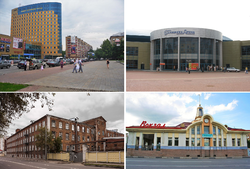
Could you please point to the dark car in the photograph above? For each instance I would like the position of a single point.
(4, 64)
(53, 63)
(21, 64)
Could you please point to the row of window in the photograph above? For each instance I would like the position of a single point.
(32, 21)
(206, 130)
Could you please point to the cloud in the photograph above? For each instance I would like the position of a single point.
(213, 109)
(207, 96)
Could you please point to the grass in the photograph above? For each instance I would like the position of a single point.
(9, 87)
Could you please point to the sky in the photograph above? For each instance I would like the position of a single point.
(93, 21)
(69, 105)
(229, 17)
(172, 109)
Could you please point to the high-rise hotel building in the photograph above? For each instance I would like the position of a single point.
(41, 22)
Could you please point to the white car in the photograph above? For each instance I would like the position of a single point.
(233, 69)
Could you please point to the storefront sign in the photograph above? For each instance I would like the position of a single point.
(151, 125)
(185, 32)
(193, 66)
(162, 63)
(5, 40)
(207, 135)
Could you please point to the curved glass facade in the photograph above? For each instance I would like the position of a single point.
(170, 53)
(206, 53)
(157, 54)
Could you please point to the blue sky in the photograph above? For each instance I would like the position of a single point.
(174, 108)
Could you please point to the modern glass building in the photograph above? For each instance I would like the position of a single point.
(41, 22)
(176, 48)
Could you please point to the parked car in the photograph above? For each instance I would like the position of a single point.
(33, 64)
(53, 63)
(233, 69)
(21, 64)
(4, 64)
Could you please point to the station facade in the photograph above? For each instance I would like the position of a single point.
(178, 48)
(203, 137)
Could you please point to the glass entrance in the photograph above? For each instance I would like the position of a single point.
(206, 142)
(183, 66)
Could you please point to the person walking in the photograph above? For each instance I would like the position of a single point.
(25, 65)
(246, 70)
(107, 63)
(74, 66)
(61, 63)
(80, 65)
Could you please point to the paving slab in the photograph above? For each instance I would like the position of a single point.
(95, 77)
(183, 81)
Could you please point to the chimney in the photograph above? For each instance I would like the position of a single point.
(17, 130)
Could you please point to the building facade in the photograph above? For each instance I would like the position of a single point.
(117, 38)
(41, 22)
(76, 48)
(15, 48)
(179, 48)
(73, 134)
(203, 137)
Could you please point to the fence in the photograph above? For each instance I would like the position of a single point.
(107, 157)
(58, 156)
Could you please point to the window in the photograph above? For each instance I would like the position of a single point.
(83, 138)
(67, 136)
(225, 142)
(73, 127)
(169, 141)
(60, 125)
(187, 141)
(238, 142)
(192, 131)
(214, 141)
(219, 142)
(192, 142)
(53, 134)
(67, 126)
(73, 137)
(206, 129)
(176, 142)
(53, 123)
(88, 138)
(87, 130)
(103, 133)
(198, 142)
(233, 142)
(83, 129)
(60, 135)
(214, 130)
(78, 128)
(198, 130)
(43, 123)
(79, 138)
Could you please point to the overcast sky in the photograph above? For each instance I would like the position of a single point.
(93, 21)
(70, 105)
(174, 108)
(229, 17)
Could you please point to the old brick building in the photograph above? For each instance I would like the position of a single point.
(203, 137)
(73, 133)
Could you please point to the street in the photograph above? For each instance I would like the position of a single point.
(149, 163)
(95, 77)
(14, 163)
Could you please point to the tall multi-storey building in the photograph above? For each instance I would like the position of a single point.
(76, 48)
(91, 132)
(117, 38)
(41, 22)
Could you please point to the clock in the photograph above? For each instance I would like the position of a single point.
(206, 120)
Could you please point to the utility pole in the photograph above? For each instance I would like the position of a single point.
(45, 143)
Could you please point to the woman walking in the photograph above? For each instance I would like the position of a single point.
(75, 63)
(107, 63)
(61, 63)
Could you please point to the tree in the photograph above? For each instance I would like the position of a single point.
(63, 53)
(52, 145)
(44, 139)
(248, 143)
(99, 53)
(13, 105)
(106, 48)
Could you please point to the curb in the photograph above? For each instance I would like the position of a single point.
(236, 157)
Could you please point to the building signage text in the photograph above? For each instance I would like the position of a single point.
(166, 32)
(5, 40)
(151, 125)
(31, 9)
(207, 135)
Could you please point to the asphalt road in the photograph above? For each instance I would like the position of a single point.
(14, 163)
(149, 163)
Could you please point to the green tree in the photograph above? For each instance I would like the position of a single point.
(63, 53)
(248, 143)
(106, 48)
(99, 53)
(57, 145)
(118, 51)
(44, 139)
(13, 105)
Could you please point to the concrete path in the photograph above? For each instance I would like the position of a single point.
(95, 77)
(182, 81)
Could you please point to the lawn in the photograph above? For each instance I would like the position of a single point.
(9, 87)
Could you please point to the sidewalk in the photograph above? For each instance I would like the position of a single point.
(95, 77)
(235, 157)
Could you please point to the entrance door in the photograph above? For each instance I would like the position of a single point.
(183, 66)
(206, 147)
(142, 66)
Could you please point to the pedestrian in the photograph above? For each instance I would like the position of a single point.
(28, 65)
(186, 69)
(41, 67)
(107, 63)
(246, 70)
(74, 69)
(61, 63)
(25, 65)
(80, 65)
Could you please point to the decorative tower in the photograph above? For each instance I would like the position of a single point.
(199, 112)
